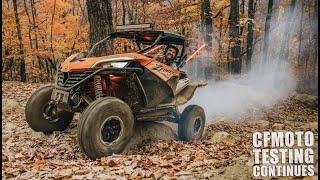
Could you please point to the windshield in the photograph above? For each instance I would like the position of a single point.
(122, 45)
(155, 51)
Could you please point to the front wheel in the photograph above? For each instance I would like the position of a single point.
(105, 127)
(43, 115)
(191, 124)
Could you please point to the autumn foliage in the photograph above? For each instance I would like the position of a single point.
(235, 31)
(51, 31)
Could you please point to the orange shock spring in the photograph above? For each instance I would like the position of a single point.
(98, 87)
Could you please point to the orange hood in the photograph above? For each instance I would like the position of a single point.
(87, 64)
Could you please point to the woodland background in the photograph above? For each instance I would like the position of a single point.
(38, 34)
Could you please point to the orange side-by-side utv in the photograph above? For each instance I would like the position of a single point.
(113, 92)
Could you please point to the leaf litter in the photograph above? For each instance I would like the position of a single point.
(224, 152)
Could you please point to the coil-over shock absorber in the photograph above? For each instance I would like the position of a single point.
(98, 87)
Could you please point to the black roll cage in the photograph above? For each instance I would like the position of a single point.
(162, 35)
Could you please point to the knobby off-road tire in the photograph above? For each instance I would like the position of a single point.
(97, 123)
(34, 112)
(191, 124)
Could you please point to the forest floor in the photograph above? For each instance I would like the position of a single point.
(224, 153)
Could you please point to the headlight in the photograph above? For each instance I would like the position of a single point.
(114, 64)
(118, 64)
(111, 64)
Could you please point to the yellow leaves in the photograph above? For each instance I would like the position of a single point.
(294, 39)
(63, 4)
(221, 4)
(40, 163)
(60, 29)
(64, 30)
(71, 19)
(244, 21)
(45, 6)
(281, 9)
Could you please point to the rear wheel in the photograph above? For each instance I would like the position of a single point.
(105, 127)
(42, 114)
(191, 124)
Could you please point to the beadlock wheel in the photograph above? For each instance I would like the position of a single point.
(105, 127)
(192, 123)
(111, 130)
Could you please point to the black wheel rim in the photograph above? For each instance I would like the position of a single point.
(111, 130)
(197, 126)
(50, 112)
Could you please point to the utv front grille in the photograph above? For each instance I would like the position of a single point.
(67, 80)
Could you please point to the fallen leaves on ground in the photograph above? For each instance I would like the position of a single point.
(28, 154)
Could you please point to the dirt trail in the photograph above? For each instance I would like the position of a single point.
(152, 153)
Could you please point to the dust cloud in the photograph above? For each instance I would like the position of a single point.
(265, 85)
(233, 97)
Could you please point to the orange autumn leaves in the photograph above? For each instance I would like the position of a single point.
(36, 29)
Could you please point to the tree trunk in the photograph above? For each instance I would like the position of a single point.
(123, 13)
(8, 5)
(73, 6)
(29, 31)
(220, 49)
(242, 14)
(47, 69)
(284, 51)
(300, 55)
(74, 42)
(267, 31)
(234, 37)
(84, 15)
(35, 30)
(51, 29)
(116, 13)
(251, 11)
(29, 20)
(22, 64)
(130, 12)
(11, 65)
(144, 10)
(314, 31)
(207, 23)
(300, 33)
(100, 20)
(136, 19)
(306, 74)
